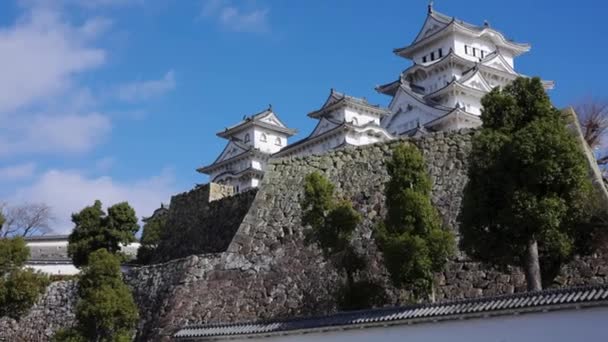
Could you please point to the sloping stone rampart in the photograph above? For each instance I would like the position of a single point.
(202, 220)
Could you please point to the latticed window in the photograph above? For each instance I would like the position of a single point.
(247, 138)
(263, 138)
(277, 141)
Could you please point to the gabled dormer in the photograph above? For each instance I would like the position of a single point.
(441, 32)
(342, 108)
(263, 131)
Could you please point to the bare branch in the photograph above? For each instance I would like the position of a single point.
(26, 220)
(593, 117)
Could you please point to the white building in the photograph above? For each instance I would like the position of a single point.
(49, 254)
(454, 65)
(251, 142)
(343, 121)
(575, 314)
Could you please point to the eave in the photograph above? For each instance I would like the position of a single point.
(228, 132)
(210, 168)
(456, 112)
(452, 86)
(453, 27)
(347, 102)
(249, 170)
(344, 127)
(389, 89)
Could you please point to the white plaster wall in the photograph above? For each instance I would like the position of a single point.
(479, 43)
(361, 139)
(270, 145)
(319, 146)
(587, 325)
(47, 244)
(361, 117)
(62, 269)
(445, 43)
(258, 165)
(241, 135)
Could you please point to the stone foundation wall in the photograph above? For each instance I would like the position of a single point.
(53, 311)
(202, 220)
(268, 271)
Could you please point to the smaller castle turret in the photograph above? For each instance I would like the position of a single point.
(251, 142)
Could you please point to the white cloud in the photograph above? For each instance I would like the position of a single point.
(68, 191)
(17, 172)
(69, 133)
(104, 164)
(41, 54)
(237, 18)
(145, 90)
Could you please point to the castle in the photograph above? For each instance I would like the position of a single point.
(244, 257)
(454, 64)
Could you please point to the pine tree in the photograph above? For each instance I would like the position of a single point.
(94, 230)
(106, 311)
(527, 183)
(411, 238)
(333, 222)
(150, 238)
(19, 287)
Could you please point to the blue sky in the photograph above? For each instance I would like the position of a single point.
(120, 100)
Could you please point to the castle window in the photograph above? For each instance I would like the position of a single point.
(355, 122)
(475, 52)
(466, 49)
(247, 138)
(277, 141)
(263, 138)
(424, 59)
(432, 56)
(483, 54)
(440, 52)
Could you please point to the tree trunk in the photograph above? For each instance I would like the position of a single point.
(532, 267)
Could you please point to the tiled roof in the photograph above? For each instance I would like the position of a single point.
(256, 119)
(336, 98)
(548, 300)
(47, 238)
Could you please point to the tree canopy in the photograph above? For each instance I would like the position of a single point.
(527, 183)
(333, 222)
(150, 238)
(19, 287)
(411, 238)
(94, 230)
(106, 310)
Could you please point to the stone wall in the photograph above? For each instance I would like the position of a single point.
(53, 311)
(268, 271)
(202, 220)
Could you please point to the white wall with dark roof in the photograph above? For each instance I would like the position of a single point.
(559, 326)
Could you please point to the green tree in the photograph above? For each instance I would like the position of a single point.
(94, 230)
(333, 223)
(19, 288)
(150, 238)
(527, 186)
(412, 240)
(106, 310)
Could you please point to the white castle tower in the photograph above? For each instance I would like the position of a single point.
(454, 65)
(251, 142)
(343, 120)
